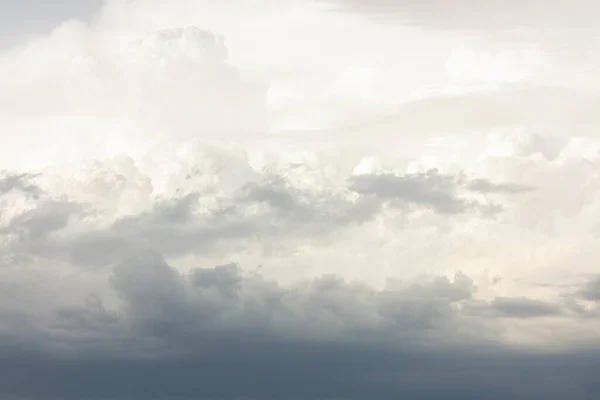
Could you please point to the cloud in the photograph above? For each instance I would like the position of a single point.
(153, 308)
(431, 189)
(485, 110)
(523, 308)
(591, 290)
(484, 186)
(156, 242)
(38, 222)
(440, 192)
(474, 15)
(221, 332)
(162, 303)
(265, 207)
(171, 84)
(309, 371)
(18, 182)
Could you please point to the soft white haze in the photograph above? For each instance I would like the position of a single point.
(392, 175)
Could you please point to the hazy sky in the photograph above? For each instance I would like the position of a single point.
(23, 19)
(299, 199)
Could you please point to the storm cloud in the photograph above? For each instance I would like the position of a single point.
(300, 200)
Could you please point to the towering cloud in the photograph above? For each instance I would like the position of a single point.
(171, 229)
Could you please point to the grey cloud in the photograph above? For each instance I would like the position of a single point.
(485, 186)
(183, 225)
(440, 192)
(153, 294)
(262, 209)
(48, 216)
(264, 369)
(521, 307)
(30, 232)
(175, 211)
(91, 326)
(20, 183)
(171, 227)
(165, 314)
(429, 189)
(272, 208)
(224, 298)
(591, 290)
(223, 315)
(422, 308)
(324, 207)
(225, 277)
(223, 333)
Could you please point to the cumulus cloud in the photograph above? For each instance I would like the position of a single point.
(18, 182)
(159, 239)
(171, 84)
(189, 278)
(266, 207)
(163, 303)
(591, 290)
(225, 324)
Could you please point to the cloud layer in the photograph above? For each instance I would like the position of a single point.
(472, 14)
(170, 227)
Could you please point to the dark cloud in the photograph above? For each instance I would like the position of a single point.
(261, 369)
(216, 333)
(591, 290)
(225, 333)
(164, 312)
(160, 302)
(520, 307)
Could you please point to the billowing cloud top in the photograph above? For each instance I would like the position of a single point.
(261, 200)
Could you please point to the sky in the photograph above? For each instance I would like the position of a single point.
(299, 199)
(25, 19)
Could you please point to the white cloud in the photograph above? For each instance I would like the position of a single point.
(93, 98)
(146, 211)
(480, 17)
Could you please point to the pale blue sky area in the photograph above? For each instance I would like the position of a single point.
(20, 19)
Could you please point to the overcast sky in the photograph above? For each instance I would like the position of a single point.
(299, 199)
